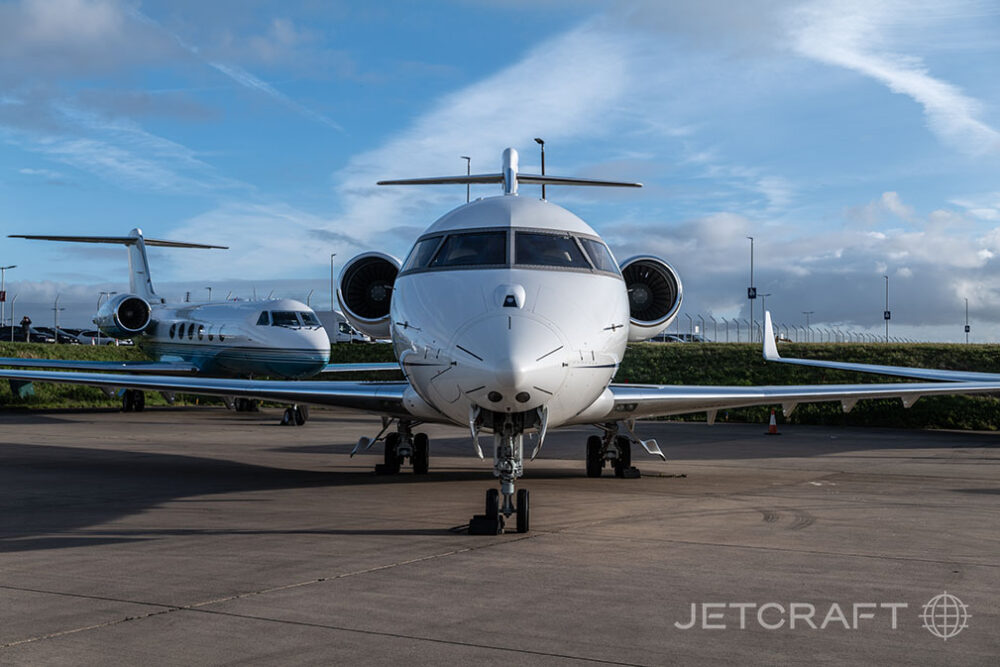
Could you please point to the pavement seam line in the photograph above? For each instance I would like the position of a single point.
(199, 606)
(397, 635)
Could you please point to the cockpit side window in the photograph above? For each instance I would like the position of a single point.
(263, 320)
(309, 318)
(472, 249)
(284, 318)
(600, 256)
(536, 249)
(421, 253)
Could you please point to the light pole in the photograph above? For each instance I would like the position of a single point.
(886, 314)
(12, 302)
(763, 305)
(468, 172)
(333, 293)
(807, 313)
(3, 291)
(55, 317)
(542, 144)
(751, 291)
(966, 321)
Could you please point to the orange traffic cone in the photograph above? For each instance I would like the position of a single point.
(772, 427)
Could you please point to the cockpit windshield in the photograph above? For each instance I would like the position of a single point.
(510, 247)
(309, 318)
(472, 249)
(421, 254)
(600, 256)
(284, 318)
(536, 249)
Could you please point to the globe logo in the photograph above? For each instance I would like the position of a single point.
(945, 616)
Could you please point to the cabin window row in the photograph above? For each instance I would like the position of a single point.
(530, 248)
(182, 330)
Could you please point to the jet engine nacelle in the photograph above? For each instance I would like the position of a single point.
(365, 292)
(654, 295)
(125, 316)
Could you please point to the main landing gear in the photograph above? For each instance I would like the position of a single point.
(245, 405)
(295, 415)
(508, 455)
(613, 449)
(405, 444)
(133, 400)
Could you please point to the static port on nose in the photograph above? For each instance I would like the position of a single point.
(494, 396)
(522, 397)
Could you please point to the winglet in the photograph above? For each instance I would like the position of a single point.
(770, 347)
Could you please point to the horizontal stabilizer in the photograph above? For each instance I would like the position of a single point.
(524, 179)
(124, 240)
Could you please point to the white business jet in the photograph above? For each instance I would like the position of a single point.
(510, 317)
(279, 337)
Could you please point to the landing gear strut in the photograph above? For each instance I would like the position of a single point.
(508, 455)
(405, 444)
(611, 448)
(133, 400)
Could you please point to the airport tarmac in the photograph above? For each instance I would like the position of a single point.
(201, 536)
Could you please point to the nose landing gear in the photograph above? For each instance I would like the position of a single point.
(508, 454)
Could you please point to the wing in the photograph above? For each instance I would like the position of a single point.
(771, 354)
(384, 398)
(634, 401)
(362, 368)
(162, 367)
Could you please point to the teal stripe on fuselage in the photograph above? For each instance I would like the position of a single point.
(224, 360)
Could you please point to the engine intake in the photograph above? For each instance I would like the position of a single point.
(654, 295)
(365, 292)
(124, 316)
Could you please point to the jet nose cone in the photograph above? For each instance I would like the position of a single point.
(511, 362)
(510, 374)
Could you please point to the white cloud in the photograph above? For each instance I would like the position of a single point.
(892, 203)
(853, 34)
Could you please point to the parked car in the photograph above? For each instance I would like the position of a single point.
(62, 335)
(95, 337)
(664, 337)
(16, 335)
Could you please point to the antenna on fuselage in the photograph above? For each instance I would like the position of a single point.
(510, 177)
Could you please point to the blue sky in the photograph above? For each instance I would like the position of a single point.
(852, 139)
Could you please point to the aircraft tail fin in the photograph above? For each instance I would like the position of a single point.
(140, 282)
(510, 177)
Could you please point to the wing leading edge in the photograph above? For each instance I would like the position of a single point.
(771, 354)
(384, 398)
(164, 367)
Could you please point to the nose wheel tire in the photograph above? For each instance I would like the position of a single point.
(492, 503)
(595, 456)
(421, 454)
(523, 523)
